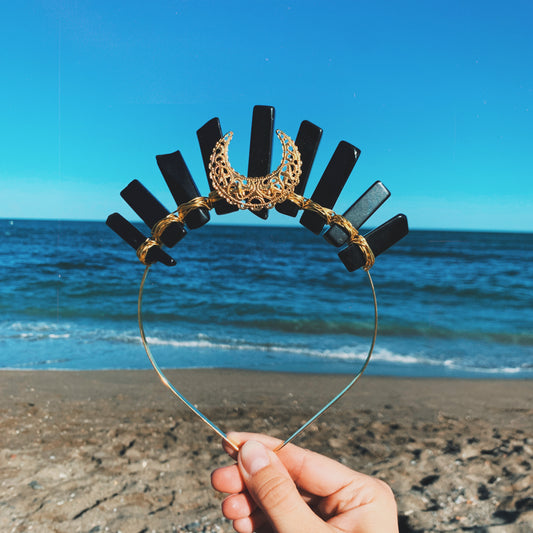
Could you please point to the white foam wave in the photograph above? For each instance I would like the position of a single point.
(44, 331)
(40, 327)
(382, 354)
(342, 353)
(41, 331)
(455, 365)
(34, 336)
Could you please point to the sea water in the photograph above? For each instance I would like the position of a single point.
(451, 304)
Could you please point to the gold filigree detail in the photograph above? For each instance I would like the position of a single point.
(255, 193)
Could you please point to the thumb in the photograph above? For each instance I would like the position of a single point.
(272, 488)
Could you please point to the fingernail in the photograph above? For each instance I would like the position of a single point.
(254, 457)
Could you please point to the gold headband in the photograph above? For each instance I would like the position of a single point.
(253, 193)
(256, 193)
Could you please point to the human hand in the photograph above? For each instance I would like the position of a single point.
(297, 490)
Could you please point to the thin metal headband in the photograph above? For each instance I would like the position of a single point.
(279, 189)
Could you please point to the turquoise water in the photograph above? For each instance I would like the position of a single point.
(452, 304)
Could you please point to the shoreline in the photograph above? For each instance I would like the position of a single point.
(463, 396)
(86, 450)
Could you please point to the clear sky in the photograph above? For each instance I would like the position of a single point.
(437, 95)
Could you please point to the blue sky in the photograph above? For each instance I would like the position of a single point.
(437, 95)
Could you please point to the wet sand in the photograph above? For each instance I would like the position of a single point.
(114, 451)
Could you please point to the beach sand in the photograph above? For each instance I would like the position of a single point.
(114, 451)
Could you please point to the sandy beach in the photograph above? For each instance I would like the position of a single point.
(114, 451)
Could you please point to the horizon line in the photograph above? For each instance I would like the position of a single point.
(273, 225)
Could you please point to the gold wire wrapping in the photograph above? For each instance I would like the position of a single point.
(328, 215)
(183, 210)
(162, 225)
(333, 219)
(144, 248)
(255, 193)
(206, 202)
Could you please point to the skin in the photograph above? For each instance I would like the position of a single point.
(296, 489)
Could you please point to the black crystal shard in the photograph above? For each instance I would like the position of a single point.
(379, 240)
(359, 212)
(208, 136)
(307, 141)
(151, 211)
(126, 230)
(260, 156)
(131, 235)
(182, 186)
(331, 183)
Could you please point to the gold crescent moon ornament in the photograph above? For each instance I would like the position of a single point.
(255, 193)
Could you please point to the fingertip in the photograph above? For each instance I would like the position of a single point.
(219, 479)
(227, 479)
(238, 506)
(243, 525)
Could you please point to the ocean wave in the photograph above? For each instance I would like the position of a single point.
(407, 354)
(42, 363)
(457, 365)
(125, 330)
(31, 326)
(342, 353)
(345, 354)
(35, 331)
(42, 331)
(41, 336)
(484, 323)
(387, 328)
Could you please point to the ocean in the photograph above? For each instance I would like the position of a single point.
(451, 304)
